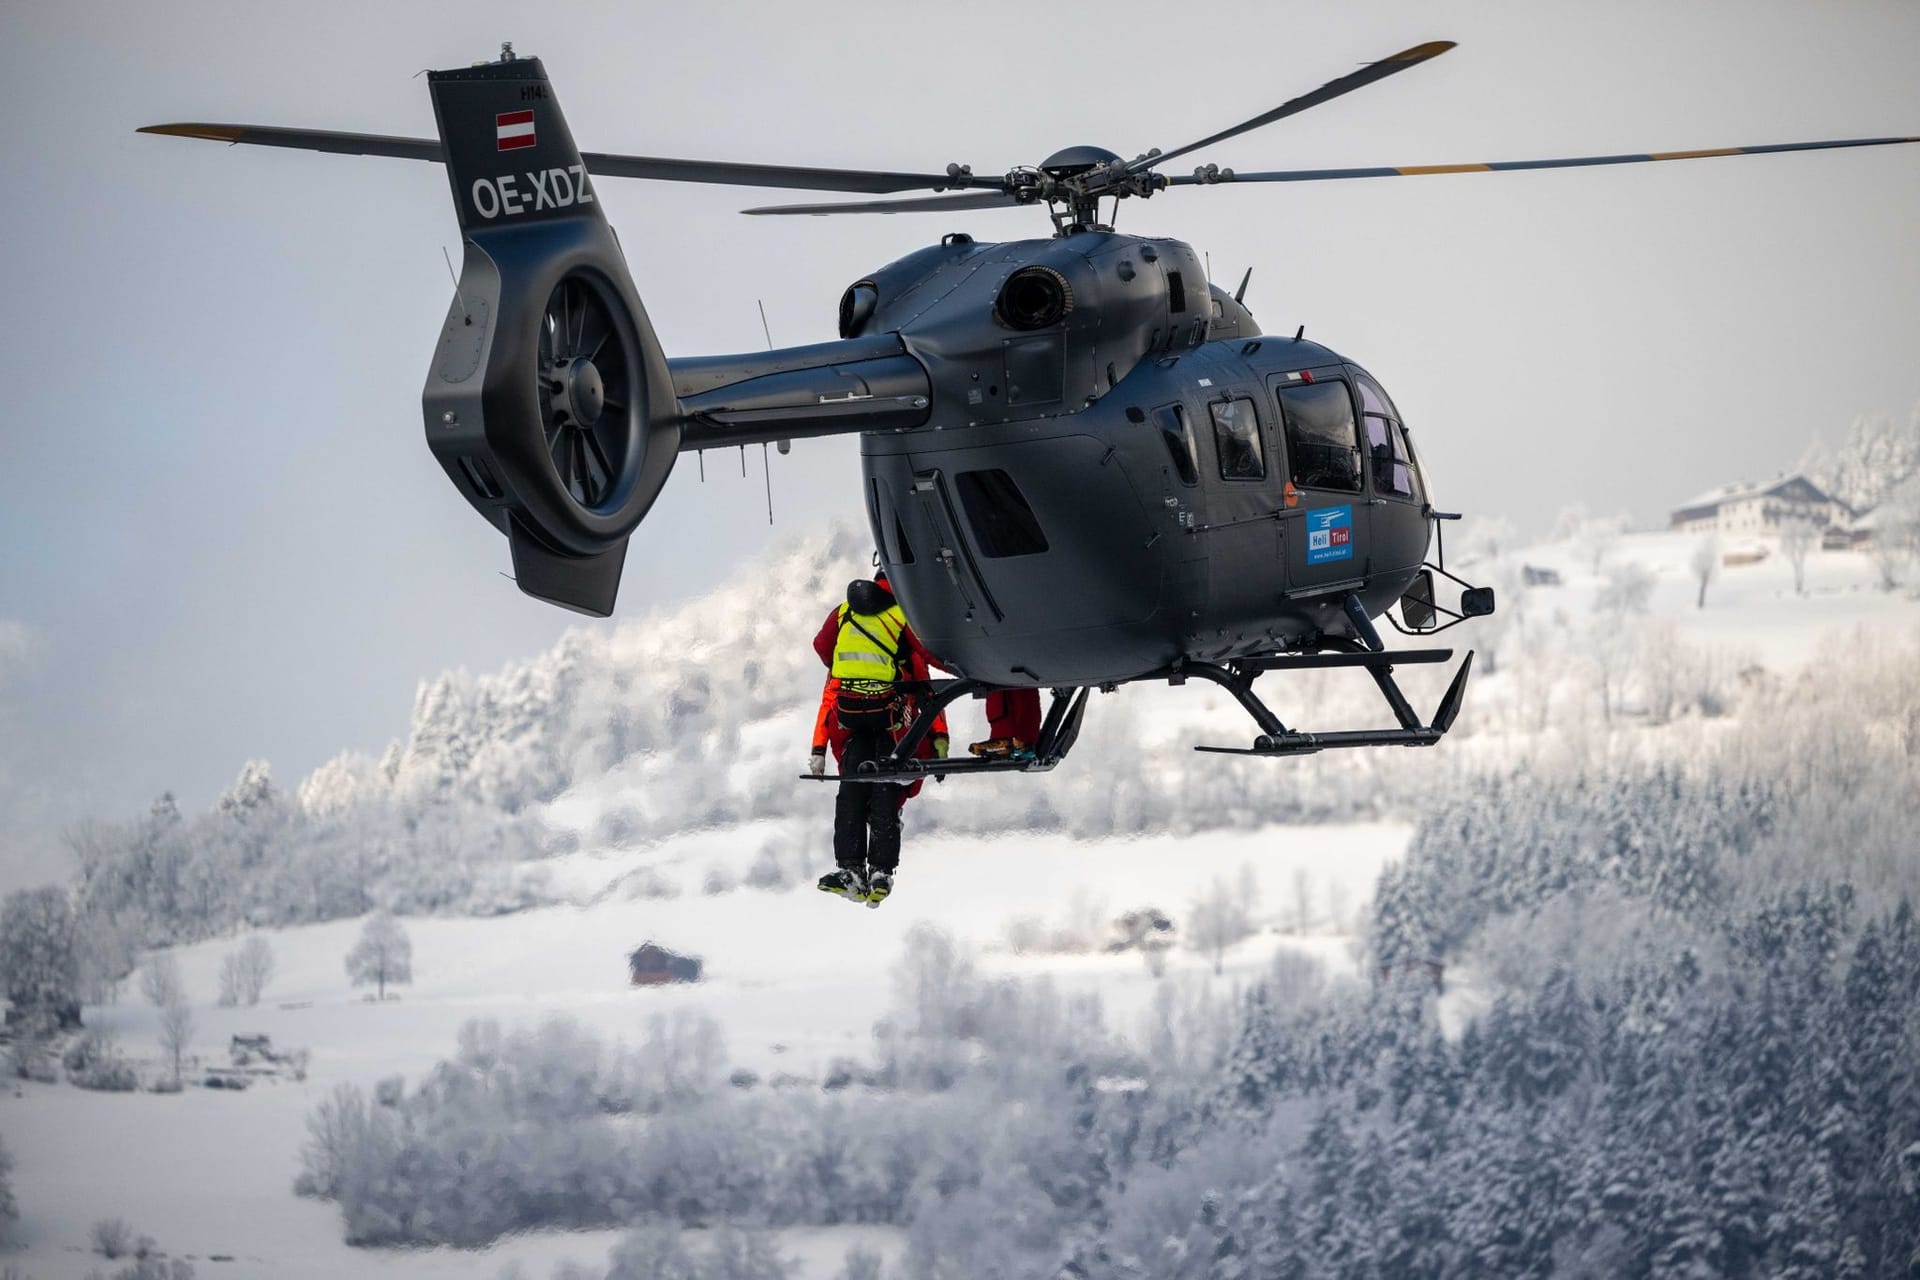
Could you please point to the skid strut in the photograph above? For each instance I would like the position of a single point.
(1277, 740)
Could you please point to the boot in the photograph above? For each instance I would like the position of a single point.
(1002, 749)
(846, 882)
(879, 885)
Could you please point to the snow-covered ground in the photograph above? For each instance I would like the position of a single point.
(1751, 608)
(795, 977)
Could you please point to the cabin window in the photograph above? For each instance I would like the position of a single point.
(888, 523)
(1178, 434)
(1236, 435)
(1321, 439)
(1393, 471)
(1003, 522)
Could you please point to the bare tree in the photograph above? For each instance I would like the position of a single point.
(176, 1033)
(1337, 905)
(245, 973)
(9, 1208)
(1610, 650)
(1797, 537)
(1153, 953)
(109, 948)
(1628, 589)
(1300, 901)
(1896, 536)
(1705, 565)
(382, 955)
(112, 1238)
(160, 981)
(1597, 537)
(1216, 920)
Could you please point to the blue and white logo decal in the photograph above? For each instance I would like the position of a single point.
(1329, 534)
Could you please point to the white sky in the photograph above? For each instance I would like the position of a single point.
(224, 537)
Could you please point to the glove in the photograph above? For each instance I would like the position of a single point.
(940, 748)
(817, 764)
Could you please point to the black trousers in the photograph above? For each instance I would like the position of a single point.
(866, 815)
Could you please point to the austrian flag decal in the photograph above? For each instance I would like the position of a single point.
(514, 129)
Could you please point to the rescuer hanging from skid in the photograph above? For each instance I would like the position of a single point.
(873, 659)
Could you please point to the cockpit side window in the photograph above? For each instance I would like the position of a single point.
(1393, 467)
(1236, 437)
(1177, 432)
(1321, 436)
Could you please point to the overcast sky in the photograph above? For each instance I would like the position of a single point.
(224, 537)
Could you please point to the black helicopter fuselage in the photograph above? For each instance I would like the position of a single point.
(1085, 463)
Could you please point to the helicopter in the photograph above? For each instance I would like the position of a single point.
(1085, 464)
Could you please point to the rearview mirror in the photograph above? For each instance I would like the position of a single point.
(1476, 602)
(1416, 605)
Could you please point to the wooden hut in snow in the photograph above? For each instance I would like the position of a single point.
(652, 965)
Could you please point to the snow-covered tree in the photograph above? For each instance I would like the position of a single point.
(1798, 536)
(160, 981)
(1217, 919)
(176, 1033)
(245, 972)
(9, 1208)
(252, 793)
(1876, 457)
(109, 948)
(383, 954)
(1627, 590)
(1705, 565)
(38, 959)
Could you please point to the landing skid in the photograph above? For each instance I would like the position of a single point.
(1058, 732)
(1276, 739)
(1062, 726)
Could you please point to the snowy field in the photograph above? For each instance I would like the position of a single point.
(1751, 608)
(795, 977)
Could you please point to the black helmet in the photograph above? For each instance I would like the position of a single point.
(867, 598)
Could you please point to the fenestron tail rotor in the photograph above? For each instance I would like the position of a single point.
(585, 381)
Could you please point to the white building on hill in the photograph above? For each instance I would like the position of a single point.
(1750, 509)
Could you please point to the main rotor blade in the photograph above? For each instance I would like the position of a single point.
(971, 200)
(657, 168)
(1501, 166)
(1366, 75)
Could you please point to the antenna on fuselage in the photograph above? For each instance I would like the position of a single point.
(766, 466)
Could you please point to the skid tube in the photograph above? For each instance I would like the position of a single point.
(1064, 717)
(1276, 739)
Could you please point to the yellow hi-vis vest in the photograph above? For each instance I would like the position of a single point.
(867, 649)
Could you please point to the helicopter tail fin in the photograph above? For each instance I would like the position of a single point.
(549, 402)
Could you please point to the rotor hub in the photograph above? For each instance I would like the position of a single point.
(1075, 161)
(583, 393)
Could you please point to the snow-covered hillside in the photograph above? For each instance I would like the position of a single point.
(638, 783)
(796, 980)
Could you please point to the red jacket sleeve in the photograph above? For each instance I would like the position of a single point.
(922, 656)
(829, 632)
